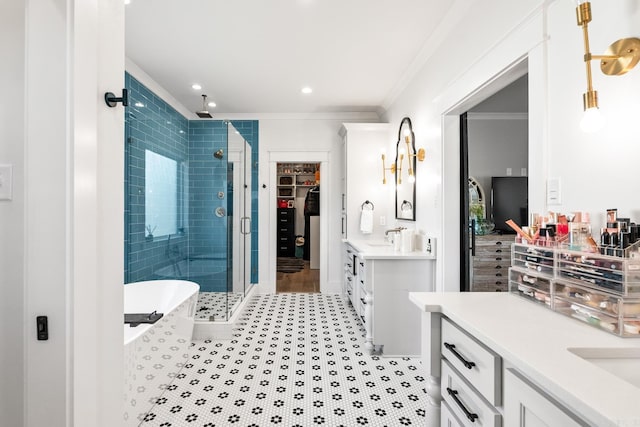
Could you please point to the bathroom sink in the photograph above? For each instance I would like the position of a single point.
(624, 363)
(378, 243)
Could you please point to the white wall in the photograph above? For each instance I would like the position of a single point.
(12, 16)
(496, 35)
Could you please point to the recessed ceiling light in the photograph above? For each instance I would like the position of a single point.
(307, 90)
(211, 104)
(196, 86)
(127, 1)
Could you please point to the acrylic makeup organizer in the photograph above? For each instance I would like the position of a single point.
(601, 290)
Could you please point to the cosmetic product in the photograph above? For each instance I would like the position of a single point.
(633, 230)
(542, 240)
(615, 239)
(625, 239)
(519, 231)
(612, 215)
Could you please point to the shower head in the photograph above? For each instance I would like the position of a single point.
(204, 114)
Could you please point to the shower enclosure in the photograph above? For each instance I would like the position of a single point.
(188, 208)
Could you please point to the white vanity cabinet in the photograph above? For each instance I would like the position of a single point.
(527, 406)
(493, 359)
(378, 282)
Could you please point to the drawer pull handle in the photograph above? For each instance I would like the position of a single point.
(498, 274)
(498, 258)
(362, 317)
(454, 395)
(498, 243)
(498, 251)
(363, 303)
(362, 264)
(498, 267)
(452, 349)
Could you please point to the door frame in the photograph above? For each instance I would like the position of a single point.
(276, 157)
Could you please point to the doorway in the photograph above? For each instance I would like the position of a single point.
(493, 183)
(298, 227)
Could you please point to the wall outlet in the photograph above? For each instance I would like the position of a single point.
(509, 171)
(383, 220)
(523, 171)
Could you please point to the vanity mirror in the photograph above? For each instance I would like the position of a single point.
(405, 185)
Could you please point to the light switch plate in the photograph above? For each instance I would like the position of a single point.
(554, 193)
(6, 182)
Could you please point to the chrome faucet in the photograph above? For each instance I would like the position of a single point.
(394, 230)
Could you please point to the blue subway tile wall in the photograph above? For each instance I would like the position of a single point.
(198, 250)
(208, 176)
(150, 124)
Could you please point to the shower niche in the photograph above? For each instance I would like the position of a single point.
(188, 208)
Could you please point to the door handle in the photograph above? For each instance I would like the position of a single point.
(473, 237)
(243, 229)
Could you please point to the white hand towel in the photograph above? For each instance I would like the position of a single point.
(366, 221)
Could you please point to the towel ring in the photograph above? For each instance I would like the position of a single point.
(367, 203)
(406, 206)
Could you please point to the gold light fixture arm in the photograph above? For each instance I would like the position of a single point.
(392, 168)
(619, 58)
(409, 155)
(399, 169)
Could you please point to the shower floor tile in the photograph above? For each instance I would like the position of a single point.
(216, 306)
(295, 360)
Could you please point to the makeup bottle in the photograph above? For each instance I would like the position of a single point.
(542, 239)
(605, 240)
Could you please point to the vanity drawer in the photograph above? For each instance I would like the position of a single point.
(464, 402)
(475, 362)
(447, 419)
(362, 268)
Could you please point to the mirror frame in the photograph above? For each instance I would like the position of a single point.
(412, 161)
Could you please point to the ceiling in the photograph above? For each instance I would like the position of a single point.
(254, 56)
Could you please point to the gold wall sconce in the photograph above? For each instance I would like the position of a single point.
(392, 169)
(619, 58)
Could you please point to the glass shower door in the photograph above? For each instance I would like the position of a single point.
(240, 205)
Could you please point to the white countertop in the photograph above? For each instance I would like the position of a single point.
(378, 249)
(535, 340)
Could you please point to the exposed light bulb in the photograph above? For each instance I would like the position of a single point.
(306, 90)
(592, 121)
(412, 178)
(196, 86)
(211, 104)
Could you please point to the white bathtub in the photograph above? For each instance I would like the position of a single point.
(154, 354)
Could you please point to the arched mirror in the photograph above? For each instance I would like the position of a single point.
(406, 172)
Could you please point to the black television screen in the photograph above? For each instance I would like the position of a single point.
(509, 200)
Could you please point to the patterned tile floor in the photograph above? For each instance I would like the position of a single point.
(296, 360)
(212, 306)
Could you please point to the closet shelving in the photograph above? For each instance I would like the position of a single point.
(293, 177)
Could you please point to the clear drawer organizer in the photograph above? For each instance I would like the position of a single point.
(601, 290)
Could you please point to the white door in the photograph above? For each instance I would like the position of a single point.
(73, 204)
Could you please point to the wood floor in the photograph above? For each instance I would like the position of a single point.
(306, 280)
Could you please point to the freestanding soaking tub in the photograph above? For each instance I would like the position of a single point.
(155, 353)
